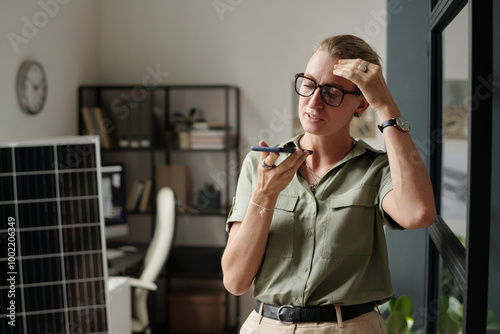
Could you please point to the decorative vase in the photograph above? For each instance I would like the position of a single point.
(184, 140)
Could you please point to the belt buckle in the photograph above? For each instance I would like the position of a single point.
(279, 311)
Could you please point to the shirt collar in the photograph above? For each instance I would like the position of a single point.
(360, 148)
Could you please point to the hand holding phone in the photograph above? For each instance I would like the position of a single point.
(276, 149)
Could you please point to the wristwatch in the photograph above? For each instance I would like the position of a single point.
(399, 122)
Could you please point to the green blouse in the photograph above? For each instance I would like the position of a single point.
(326, 248)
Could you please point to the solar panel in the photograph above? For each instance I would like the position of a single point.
(52, 267)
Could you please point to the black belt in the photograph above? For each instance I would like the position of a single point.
(290, 314)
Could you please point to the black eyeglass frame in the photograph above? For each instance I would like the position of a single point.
(344, 92)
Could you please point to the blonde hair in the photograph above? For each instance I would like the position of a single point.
(349, 47)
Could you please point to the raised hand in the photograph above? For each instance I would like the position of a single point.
(370, 80)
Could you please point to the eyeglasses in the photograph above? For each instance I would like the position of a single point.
(332, 96)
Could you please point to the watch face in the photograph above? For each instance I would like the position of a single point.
(31, 87)
(402, 123)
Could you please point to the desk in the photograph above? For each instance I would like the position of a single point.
(119, 264)
(120, 259)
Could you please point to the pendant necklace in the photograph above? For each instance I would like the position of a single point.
(316, 178)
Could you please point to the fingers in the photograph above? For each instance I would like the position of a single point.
(295, 159)
(273, 179)
(355, 70)
(269, 158)
(370, 82)
(357, 64)
(291, 162)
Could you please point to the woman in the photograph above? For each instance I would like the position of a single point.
(307, 229)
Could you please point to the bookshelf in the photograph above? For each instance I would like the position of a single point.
(137, 129)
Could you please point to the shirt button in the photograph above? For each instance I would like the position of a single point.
(306, 269)
(309, 233)
(297, 301)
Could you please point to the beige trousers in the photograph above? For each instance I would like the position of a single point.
(369, 323)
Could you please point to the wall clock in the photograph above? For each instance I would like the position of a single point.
(31, 87)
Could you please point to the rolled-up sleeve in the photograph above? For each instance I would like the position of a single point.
(243, 191)
(385, 188)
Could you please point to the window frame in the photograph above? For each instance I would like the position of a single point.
(468, 265)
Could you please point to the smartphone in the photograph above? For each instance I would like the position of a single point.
(276, 149)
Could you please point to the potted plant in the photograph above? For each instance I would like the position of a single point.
(450, 316)
(183, 124)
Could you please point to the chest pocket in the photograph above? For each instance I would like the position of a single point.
(280, 239)
(349, 226)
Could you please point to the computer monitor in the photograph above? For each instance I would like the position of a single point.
(113, 200)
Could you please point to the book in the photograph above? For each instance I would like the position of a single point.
(207, 146)
(209, 125)
(207, 143)
(134, 195)
(89, 121)
(200, 126)
(104, 126)
(97, 124)
(146, 195)
(208, 133)
(217, 125)
(206, 140)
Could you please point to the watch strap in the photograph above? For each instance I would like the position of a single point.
(390, 122)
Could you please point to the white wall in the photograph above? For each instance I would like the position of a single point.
(257, 45)
(61, 35)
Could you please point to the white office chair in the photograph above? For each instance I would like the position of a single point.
(154, 260)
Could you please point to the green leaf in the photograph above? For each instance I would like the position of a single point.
(443, 304)
(391, 303)
(455, 309)
(404, 305)
(396, 323)
(446, 324)
(491, 323)
(409, 322)
(192, 112)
